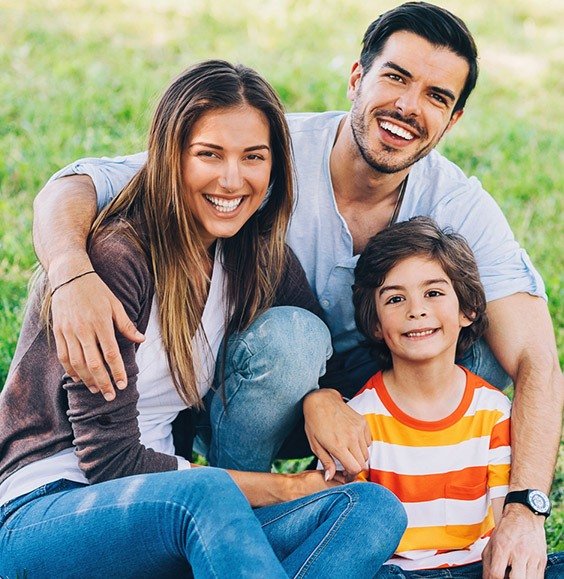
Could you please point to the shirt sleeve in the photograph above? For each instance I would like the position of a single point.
(106, 434)
(505, 267)
(110, 175)
(499, 460)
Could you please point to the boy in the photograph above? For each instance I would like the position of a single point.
(440, 434)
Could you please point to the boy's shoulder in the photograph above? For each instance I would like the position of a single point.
(487, 396)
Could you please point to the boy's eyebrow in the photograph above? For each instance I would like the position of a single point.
(444, 91)
(220, 148)
(427, 282)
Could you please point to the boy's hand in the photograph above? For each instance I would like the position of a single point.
(336, 432)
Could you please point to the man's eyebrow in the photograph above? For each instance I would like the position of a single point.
(443, 91)
(220, 148)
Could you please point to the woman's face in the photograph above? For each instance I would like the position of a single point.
(226, 169)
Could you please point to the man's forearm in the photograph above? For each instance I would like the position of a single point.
(63, 213)
(536, 423)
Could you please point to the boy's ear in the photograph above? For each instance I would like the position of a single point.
(378, 331)
(466, 320)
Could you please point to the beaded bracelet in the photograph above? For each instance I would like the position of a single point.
(71, 280)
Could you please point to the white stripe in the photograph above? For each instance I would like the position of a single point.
(488, 399)
(499, 492)
(368, 402)
(411, 560)
(441, 512)
(429, 460)
(500, 455)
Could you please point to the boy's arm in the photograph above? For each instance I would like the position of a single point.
(84, 311)
(522, 339)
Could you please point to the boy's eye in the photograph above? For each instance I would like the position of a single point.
(434, 293)
(394, 300)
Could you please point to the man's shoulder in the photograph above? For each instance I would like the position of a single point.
(313, 122)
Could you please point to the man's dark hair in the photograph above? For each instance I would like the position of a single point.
(418, 237)
(437, 25)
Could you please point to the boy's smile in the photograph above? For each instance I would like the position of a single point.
(418, 311)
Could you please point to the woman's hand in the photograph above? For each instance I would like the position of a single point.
(336, 432)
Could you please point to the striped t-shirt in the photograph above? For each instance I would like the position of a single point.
(444, 472)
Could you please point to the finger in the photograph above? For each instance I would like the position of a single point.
(124, 325)
(97, 370)
(367, 436)
(519, 569)
(351, 463)
(110, 351)
(78, 364)
(327, 461)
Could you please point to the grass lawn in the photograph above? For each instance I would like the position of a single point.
(80, 78)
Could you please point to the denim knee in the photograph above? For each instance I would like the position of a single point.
(286, 341)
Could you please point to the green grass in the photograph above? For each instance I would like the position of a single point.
(81, 78)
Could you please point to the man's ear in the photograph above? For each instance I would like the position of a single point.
(354, 80)
(454, 119)
(466, 320)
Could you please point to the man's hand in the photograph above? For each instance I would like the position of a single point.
(517, 545)
(84, 314)
(336, 432)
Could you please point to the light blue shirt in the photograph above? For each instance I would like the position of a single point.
(319, 235)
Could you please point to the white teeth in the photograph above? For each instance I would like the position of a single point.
(224, 205)
(396, 130)
(419, 334)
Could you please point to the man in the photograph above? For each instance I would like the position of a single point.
(356, 173)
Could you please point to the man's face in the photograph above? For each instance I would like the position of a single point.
(404, 104)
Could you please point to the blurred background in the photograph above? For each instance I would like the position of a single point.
(80, 78)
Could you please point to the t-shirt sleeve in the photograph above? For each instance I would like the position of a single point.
(110, 175)
(505, 267)
(499, 458)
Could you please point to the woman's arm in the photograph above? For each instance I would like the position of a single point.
(266, 488)
(106, 434)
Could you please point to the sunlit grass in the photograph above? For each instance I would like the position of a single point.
(81, 77)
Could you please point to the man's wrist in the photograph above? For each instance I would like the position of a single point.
(67, 265)
(519, 511)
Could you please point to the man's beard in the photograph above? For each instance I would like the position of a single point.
(385, 162)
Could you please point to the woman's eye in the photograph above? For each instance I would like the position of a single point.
(255, 157)
(207, 154)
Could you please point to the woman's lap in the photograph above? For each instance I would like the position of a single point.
(140, 526)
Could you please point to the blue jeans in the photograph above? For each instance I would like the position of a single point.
(269, 369)
(177, 523)
(554, 570)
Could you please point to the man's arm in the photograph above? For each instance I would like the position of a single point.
(522, 339)
(84, 311)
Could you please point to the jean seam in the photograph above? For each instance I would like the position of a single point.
(316, 553)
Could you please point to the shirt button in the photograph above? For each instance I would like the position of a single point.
(325, 303)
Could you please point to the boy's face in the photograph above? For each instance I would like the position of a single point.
(418, 311)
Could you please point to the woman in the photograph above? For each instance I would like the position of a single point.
(194, 248)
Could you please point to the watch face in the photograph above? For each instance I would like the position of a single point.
(539, 501)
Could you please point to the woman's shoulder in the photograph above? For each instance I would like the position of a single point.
(118, 255)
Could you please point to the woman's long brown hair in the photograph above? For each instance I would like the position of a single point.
(253, 258)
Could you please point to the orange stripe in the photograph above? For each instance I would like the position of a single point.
(388, 429)
(501, 434)
(428, 487)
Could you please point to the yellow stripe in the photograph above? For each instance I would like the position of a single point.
(388, 429)
(498, 474)
(447, 538)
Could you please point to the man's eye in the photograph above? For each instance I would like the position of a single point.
(439, 98)
(395, 77)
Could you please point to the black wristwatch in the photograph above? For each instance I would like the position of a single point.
(534, 499)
